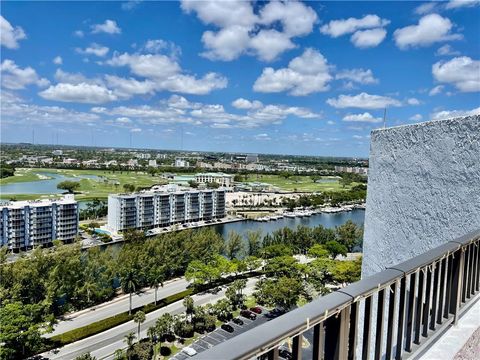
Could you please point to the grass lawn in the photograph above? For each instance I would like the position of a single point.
(109, 182)
(299, 183)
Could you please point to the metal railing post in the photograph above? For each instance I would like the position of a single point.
(379, 328)
(352, 331)
(297, 347)
(318, 341)
(457, 284)
(392, 306)
(366, 328)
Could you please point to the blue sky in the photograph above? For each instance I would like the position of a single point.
(269, 77)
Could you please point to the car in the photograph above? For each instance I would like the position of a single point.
(256, 309)
(285, 354)
(238, 321)
(248, 314)
(189, 351)
(228, 328)
(277, 312)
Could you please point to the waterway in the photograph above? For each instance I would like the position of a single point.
(48, 186)
(327, 220)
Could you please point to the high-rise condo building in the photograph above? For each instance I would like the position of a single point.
(28, 224)
(158, 209)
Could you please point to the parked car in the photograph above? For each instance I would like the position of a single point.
(285, 354)
(238, 321)
(256, 309)
(189, 351)
(248, 314)
(277, 312)
(228, 328)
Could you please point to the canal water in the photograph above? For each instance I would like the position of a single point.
(48, 186)
(327, 220)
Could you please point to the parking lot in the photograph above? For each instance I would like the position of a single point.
(219, 335)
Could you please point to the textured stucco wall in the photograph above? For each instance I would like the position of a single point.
(423, 189)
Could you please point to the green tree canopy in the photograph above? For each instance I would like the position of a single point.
(68, 185)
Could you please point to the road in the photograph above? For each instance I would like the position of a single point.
(104, 344)
(116, 306)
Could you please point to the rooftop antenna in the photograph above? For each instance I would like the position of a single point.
(385, 118)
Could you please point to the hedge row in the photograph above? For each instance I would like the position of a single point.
(108, 323)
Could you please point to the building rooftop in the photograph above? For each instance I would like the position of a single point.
(67, 199)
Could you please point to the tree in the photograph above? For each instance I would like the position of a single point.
(234, 245)
(284, 292)
(129, 187)
(349, 234)
(253, 242)
(139, 318)
(345, 272)
(86, 356)
(334, 248)
(189, 306)
(155, 278)
(68, 185)
(222, 309)
(129, 339)
(282, 266)
(318, 251)
(129, 282)
(193, 184)
(212, 185)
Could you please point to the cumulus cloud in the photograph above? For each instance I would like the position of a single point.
(94, 49)
(305, 74)
(416, 117)
(79, 93)
(164, 73)
(359, 76)
(367, 32)
(426, 8)
(436, 90)
(455, 4)
(79, 33)
(266, 33)
(108, 27)
(9, 35)
(431, 28)
(15, 78)
(461, 72)
(365, 117)
(130, 5)
(413, 101)
(336, 28)
(264, 137)
(241, 103)
(446, 50)
(58, 60)
(363, 101)
(447, 114)
(368, 38)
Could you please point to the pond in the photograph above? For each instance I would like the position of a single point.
(48, 186)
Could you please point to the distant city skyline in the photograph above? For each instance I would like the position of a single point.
(294, 78)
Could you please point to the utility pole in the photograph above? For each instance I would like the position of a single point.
(385, 118)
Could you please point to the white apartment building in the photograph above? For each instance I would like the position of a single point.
(352, 169)
(225, 180)
(28, 224)
(181, 163)
(158, 209)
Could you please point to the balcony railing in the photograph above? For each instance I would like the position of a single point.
(393, 314)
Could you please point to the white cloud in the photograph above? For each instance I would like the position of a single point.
(431, 28)
(447, 114)
(123, 120)
(58, 60)
(455, 4)
(9, 35)
(426, 8)
(241, 103)
(413, 101)
(94, 49)
(264, 137)
(134, 130)
(436, 90)
(365, 117)
(108, 27)
(368, 38)
(265, 34)
(126, 88)
(130, 5)
(363, 101)
(360, 76)
(166, 74)
(462, 72)
(79, 33)
(446, 50)
(416, 117)
(74, 78)
(306, 74)
(80, 93)
(336, 28)
(15, 78)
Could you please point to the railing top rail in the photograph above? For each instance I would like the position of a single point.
(266, 336)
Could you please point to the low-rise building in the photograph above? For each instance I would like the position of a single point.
(179, 162)
(28, 224)
(149, 210)
(352, 169)
(152, 163)
(225, 180)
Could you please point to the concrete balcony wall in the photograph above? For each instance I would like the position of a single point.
(423, 189)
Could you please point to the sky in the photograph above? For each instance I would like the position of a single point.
(296, 78)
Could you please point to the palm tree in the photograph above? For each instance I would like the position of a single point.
(156, 278)
(129, 283)
(129, 338)
(139, 318)
(189, 306)
(152, 335)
